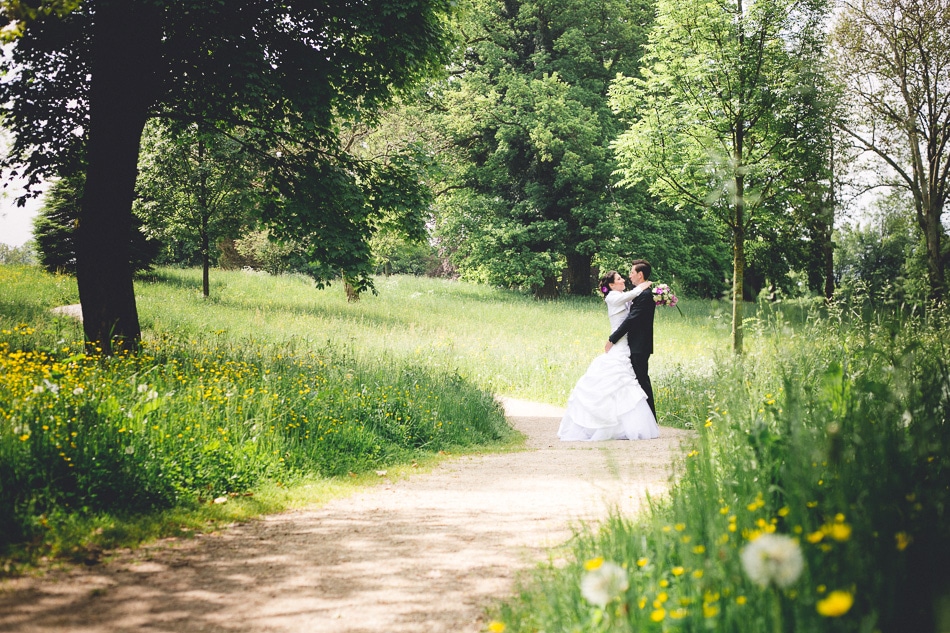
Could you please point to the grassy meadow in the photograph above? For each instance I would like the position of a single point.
(269, 383)
(505, 342)
(814, 497)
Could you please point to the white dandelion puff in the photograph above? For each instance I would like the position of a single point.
(773, 559)
(603, 584)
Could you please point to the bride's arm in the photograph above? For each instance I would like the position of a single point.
(619, 298)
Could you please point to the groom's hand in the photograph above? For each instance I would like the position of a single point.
(608, 346)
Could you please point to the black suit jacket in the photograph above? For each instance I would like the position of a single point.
(638, 326)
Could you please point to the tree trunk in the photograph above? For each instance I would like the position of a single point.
(205, 264)
(352, 294)
(578, 274)
(205, 221)
(738, 265)
(828, 261)
(548, 290)
(933, 230)
(125, 53)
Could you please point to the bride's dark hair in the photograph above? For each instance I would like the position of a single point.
(606, 280)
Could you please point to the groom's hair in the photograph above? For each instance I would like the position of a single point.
(642, 266)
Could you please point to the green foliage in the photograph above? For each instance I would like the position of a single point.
(728, 116)
(527, 112)
(836, 434)
(19, 14)
(194, 189)
(257, 250)
(55, 226)
(882, 260)
(395, 255)
(17, 255)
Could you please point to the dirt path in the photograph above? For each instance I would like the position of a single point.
(424, 554)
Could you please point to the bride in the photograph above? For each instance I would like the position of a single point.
(607, 403)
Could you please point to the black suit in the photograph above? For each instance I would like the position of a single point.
(638, 326)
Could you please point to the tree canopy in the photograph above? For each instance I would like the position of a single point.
(526, 106)
(723, 117)
(893, 56)
(79, 89)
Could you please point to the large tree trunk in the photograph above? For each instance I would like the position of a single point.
(126, 41)
(578, 274)
(548, 290)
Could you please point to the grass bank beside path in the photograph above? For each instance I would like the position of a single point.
(100, 452)
(815, 498)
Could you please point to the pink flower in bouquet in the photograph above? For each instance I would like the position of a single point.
(663, 296)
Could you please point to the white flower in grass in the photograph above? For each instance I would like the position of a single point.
(603, 583)
(773, 559)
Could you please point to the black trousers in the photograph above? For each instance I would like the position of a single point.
(641, 369)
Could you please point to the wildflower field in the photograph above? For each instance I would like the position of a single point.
(197, 417)
(815, 498)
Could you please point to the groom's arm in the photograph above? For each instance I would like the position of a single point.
(636, 309)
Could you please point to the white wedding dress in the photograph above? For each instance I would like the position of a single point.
(607, 403)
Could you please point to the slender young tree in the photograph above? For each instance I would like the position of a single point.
(81, 87)
(196, 186)
(893, 57)
(723, 116)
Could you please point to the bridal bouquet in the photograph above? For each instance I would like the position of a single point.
(663, 296)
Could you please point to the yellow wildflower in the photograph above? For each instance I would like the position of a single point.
(594, 563)
(658, 615)
(840, 531)
(836, 604)
(496, 627)
(903, 539)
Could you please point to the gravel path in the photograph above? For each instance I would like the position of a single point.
(422, 554)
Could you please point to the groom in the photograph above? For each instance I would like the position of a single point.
(638, 326)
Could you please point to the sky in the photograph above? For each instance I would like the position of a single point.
(16, 223)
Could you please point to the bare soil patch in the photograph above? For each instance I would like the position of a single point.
(426, 553)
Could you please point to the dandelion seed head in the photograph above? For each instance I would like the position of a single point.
(604, 583)
(773, 559)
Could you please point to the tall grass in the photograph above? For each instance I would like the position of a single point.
(505, 342)
(836, 435)
(270, 380)
(199, 414)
